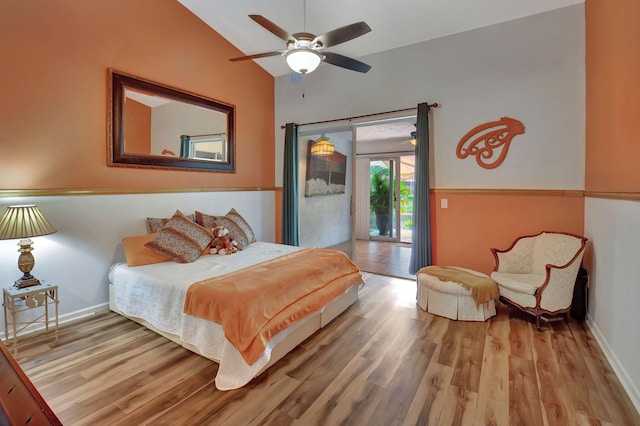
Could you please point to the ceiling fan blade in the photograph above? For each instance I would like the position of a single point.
(345, 62)
(256, 56)
(342, 34)
(273, 28)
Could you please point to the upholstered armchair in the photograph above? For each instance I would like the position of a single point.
(538, 272)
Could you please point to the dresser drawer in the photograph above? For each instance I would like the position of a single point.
(20, 401)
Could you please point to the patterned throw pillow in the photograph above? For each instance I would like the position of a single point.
(237, 217)
(235, 232)
(239, 229)
(181, 239)
(154, 224)
(206, 220)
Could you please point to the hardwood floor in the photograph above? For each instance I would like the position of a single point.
(382, 362)
(385, 258)
(379, 257)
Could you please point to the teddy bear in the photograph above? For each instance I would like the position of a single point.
(222, 242)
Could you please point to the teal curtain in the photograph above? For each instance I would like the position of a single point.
(421, 234)
(290, 234)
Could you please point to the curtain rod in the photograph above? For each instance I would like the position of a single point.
(433, 105)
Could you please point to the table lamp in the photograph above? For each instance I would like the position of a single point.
(24, 222)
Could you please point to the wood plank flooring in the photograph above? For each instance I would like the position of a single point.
(385, 258)
(382, 362)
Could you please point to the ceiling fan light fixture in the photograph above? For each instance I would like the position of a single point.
(322, 147)
(303, 60)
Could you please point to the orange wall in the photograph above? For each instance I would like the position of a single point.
(137, 127)
(613, 95)
(53, 106)
(464, 233)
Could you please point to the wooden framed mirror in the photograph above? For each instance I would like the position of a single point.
(156, 126)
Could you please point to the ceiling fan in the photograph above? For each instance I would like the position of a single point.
(304, 50)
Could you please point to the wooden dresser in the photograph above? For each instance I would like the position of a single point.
(20, 401)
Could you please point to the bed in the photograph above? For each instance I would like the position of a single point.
(154, 296)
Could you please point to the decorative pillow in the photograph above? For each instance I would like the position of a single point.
(239, 229)
(154, 224)
(237, 217)
(181, 239)
(137, 254)
(205, 220)
(236, 233)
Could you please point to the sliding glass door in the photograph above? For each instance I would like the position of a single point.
(326, 188)
(390, 198)
(347, 195)
(405, 207)
(384, 218)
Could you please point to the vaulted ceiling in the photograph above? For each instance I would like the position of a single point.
(393, 23)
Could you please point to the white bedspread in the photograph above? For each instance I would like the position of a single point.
(155, 293)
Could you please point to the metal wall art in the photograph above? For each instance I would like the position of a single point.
(489, 142)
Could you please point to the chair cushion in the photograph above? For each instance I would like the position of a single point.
(519, 283)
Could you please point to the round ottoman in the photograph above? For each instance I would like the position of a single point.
(451, 300)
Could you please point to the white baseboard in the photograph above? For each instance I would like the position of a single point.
(621, 373)
(86, 312)
(71, 316)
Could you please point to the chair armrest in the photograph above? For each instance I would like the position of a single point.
(557, 292)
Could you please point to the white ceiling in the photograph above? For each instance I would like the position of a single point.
(393, 23)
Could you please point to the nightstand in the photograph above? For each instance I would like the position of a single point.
(27, 298)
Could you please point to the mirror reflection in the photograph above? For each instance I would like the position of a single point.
(158, 126)
(205, 147)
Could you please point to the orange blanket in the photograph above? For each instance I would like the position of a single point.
(256, 303)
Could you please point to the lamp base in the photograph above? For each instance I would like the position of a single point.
(22, 282)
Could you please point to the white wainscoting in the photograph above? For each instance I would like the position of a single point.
(90, 228)
(613, 228)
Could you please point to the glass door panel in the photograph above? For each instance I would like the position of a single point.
(325, 190)
(407, 167)
(384, 218)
